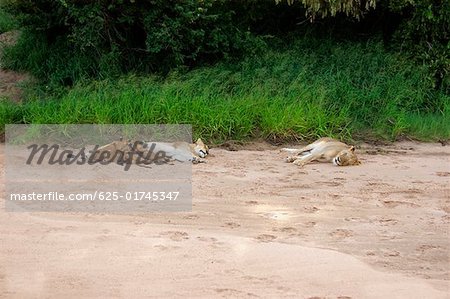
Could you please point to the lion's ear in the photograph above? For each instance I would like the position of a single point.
(352, 148)
(199, 142)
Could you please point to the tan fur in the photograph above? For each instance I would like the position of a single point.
(178, 151)
(324, 150)
(115, 151)
(120, 151)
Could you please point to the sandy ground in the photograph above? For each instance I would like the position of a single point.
(258, 228)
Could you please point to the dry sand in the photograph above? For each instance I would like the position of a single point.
(258, 228)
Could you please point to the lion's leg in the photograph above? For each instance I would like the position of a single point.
(299, 152)
(310, 147)
(302, 160)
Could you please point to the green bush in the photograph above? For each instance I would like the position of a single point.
(421, 27)
(7, 22)
(111, 37)
(425, 33)
(183, 32)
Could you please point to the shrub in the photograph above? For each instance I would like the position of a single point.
(425, 34)
(116, 36)
(7, 22)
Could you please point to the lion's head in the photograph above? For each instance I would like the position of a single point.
(201, 149)
(346, 157)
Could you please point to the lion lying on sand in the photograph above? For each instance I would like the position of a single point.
(324, 150)
(121, 151)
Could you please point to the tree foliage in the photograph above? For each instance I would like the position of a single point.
(424, 30)
(152, 34)
(425, 33)
(324, 8)
(157, 35)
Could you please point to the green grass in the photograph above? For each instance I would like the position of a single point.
(7, 22)
(304, 90)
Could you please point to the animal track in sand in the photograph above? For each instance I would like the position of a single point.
(310, 224)
(265, 238)
(394, 203)
(386, 221)
(213, 241)
(176, 235)
(402, 167)
(409, 193)
(353, 219)
(207, 239)
(340, 179)
(231, 224)
(446, 209)
(193, 217)
(341, 233)
(426, 247)
(386, 235)
(329, 184)
(270, 169)
(391, 253)
(380, 184)
(312, 209)
(443, 173)
(215, 261)
(234, 293)
(165, 248)
(286, 229)
(255, 279)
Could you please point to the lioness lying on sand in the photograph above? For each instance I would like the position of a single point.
(122, 151)
(324, 150)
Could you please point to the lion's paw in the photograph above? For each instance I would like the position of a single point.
(298, 163)
(196, 160)
(291, 159)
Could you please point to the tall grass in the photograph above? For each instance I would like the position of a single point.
(7, 22)
(303, 90)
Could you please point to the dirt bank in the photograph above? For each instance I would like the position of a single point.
(10, 81)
